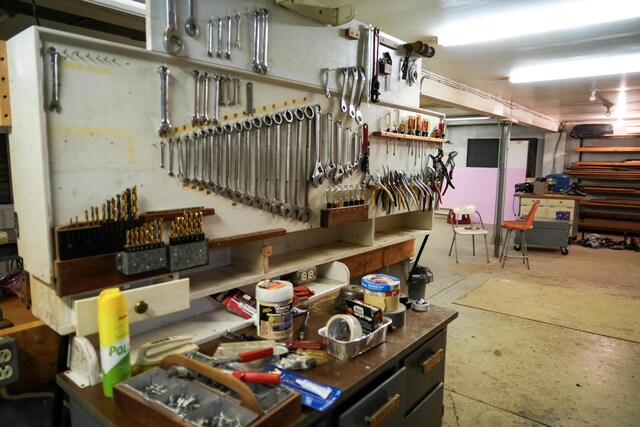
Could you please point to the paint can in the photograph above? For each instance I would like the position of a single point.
(274, 309)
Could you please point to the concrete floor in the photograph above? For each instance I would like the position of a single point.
(505, 370)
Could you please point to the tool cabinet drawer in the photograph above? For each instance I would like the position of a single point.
(429, 412)
(384, 406)
(425, 369)
(144, 303)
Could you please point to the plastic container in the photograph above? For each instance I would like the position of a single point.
(344, 350)
(274, 316)
(113, 330)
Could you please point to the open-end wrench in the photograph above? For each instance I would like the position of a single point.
(264, 17)
(345, 83)
(206, 136)
(238, 19)
(172, 41)
(187, 163)
(257, 199)
(317, 177)
(197, 148)
(237, 194)
(179, 148)
(363, 83)
(348, 167)
(54, 103)
(286, 208)
(338, 176)
(191, 25)
(220, 132)
(247, 126)
(355, 79)
(195, 119)
(204, 112)
(276, 203)
(266, 200)
(327, 94)
(304, 212)
(219, 34)
(216, 99)
(227, 191)
(297, 208)
(165, 124)
(227, 51)
(330, 168)
(210, 37)
(255, 61)
(170, 146)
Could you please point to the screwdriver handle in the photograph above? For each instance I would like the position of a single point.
(257, 377)
(249, 356)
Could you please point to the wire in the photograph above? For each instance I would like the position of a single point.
(34, 7)
(555, 150)
(5, 395)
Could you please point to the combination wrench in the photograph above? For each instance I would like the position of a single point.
(343, 96)
(172, 41)
(219, 33)
(165, 124)
(304, 213)
(170, 146)
(286, 208)
(339, 174)
(266, 200)
(246, 196)
(226, 132)
(210, 37)
(195, 119)
(238, 20)
(277, 200)
(348, 167)
(317, 178)
(179, 149)
(237, 194)
(255, 62)
(297, 208)
(355, 79)
(330, 169)
(190, 25)
(187, 160)
(227, 51)
(54, 103)
(264, 17)
(257, 199)
(216, 99)
(363, 83)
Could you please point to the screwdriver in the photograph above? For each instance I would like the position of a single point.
(247, 356)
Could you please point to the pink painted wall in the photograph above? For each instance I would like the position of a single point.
(478, 186)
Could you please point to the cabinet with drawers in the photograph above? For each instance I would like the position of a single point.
(553, 206)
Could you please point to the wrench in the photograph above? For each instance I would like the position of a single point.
(257, 200)
(195, 119)
(327, 94)
(171, 157)
(187, 163)
(348, 168)
(210, 37)
(237, 43)
(165, 124)
(266, 200)
(296, 210)
(196, 158)
(355, 79)
(247, 126)
(219, 32)
(339, 173)
(206, 138)
(317, 178)
(237, 194)
(172, 41)
(286, 209)
(54, 104)
(356, 153)
(162, 145)
(216, 99)
(363, 83)
(179, 147)
(190, 25)
(343, 96)
(276, 203)
(204, 116)
(330, 169)
(264, 17)
(255, 62)
(227, 52)
(224, 130)
(304, 213)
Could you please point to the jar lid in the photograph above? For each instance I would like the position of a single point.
(274, 291)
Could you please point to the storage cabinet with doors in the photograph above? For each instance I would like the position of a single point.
(553, 206)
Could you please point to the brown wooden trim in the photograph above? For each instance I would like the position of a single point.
(173, 213)
(5, 97)
(618, 149)
(245, 238)
(368, 262)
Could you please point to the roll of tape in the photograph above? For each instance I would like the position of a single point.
(386, 301)
(398, 317)
(380, 283)
(421, 305)
(344, 327)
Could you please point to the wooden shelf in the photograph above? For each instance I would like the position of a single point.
(612, 203)
(610, 189)
(609, 225)
(607, 149)
(618, 135)
(392, 135)
(606, 164)
(604, 174)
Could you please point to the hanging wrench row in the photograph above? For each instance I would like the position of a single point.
(354, 80)
(259, 60)
(240, 162)
(226, 93)
(222, 27)
(353, 151)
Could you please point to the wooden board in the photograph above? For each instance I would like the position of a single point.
(612, 203)
(607, 149)
(5, 98)
(343, 216)
(604, 164)
(607, 189)
(609, 224)
(366, 263)
(246, 238)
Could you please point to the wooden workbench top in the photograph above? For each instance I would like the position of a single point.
(350, 375)
(550, 196)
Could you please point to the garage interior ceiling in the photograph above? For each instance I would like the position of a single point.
(482, 67)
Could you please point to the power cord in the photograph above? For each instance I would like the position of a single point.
(34, 7)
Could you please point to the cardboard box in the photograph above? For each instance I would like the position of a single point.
(369, 316)
(539, 188)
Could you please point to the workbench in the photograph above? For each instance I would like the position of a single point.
(550, 205)
(407, 369)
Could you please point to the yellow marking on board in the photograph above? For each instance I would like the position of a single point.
(90, 131)
(92, 69)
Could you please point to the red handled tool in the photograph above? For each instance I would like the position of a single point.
(247, 356)
(307, 345)
(256, 377)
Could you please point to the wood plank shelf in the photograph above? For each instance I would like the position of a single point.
(612, 203)
(383, 134)
(605, 224)
(618, 149)
(607, 189)
(604, 175)
(606, 164)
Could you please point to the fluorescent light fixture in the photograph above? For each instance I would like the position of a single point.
(472, 118)
(550, 16)
(621, 105)
(129, 6)
(577, 68)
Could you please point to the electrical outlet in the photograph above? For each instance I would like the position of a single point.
(8, 361)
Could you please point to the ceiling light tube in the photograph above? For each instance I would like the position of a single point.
(577, 68)
(460, 119)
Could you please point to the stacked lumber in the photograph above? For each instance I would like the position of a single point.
(612, 203)
(609, 189)
(605, 173)
(616, 225)
(626, 149)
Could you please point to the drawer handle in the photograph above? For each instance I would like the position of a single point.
(384, 412)
(141, 307)
(432, 361)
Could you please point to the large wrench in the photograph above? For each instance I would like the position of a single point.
(355, 79)
(216, 99)
(317, 178)
(195, 119)
(345, 84)
(227, 51)
(363, 83)
(219, 33)
(165, 124)
(54, 103)
(237, 194)
(330, 169)
(339, 174)
(172, 41)
(220, 131)
(348, 167)
(187, 163)
(264, 17)
(204, 112)
(297, 208)
(266, 200)
(246, 196)
(286, 208)
(277, 201)
(190, 25)
(255, 62)
(257, 199)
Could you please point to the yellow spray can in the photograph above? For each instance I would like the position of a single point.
(113, 329)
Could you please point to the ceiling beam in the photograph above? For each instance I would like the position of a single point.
(449, 92)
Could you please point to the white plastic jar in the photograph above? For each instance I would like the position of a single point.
(274, 309)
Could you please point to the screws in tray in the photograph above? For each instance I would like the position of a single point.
(154, 389)
(220, 420)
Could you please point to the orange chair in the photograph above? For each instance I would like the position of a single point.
(520, 226)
